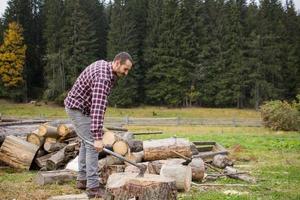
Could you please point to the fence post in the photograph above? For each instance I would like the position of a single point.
(234, 122)
(178, 121)
(126, 120)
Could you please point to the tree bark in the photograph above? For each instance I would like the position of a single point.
(59, 176)
(162, 149)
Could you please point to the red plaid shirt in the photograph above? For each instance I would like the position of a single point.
(89, 94)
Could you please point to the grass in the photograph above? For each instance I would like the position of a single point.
(273, 157)
(54, 111)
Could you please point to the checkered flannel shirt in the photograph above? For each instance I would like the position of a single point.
(90, 92)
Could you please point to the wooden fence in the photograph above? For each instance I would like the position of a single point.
(177, 121)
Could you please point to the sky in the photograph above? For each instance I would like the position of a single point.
(3, 4)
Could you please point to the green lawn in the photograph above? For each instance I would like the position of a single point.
(273, 157)
(53, 111)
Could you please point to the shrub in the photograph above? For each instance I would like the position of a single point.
(282, 115)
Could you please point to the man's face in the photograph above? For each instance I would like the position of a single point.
(123, 69)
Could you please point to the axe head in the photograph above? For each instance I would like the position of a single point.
(142, 169)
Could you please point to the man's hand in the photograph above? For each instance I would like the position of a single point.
(98, 144)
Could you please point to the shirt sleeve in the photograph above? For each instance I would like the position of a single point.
(100, 90)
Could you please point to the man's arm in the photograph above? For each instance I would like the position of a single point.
(100, 90)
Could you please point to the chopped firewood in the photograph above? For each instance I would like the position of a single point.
(65, 129)
(17, 153)
(136, 157)
(162, 149)
(109, 160)
(62, 157)
(234, 173)
(221, 161)
(34, 138)
(48, 131)
(180, 173)
(52, 147)
(198, 169)
(110, 138)
(41, 161)
(124, 186)
(121, 147)
(59, 176)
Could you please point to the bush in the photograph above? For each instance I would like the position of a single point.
(281, 115)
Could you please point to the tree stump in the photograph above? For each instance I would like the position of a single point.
(124, 186)
(17, 153)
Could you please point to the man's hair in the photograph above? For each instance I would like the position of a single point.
(123, 56)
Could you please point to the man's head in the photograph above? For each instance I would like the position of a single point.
(122, 64)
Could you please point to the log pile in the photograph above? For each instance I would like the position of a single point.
(172, 163)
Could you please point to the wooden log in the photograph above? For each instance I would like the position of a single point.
(135, 145)
(125, 186)
(198, 169)
(109, 170)
(197, 143)
(58, 176)
(48, 131)
(52, 147)
(62, 157)
(17, 153)
(121, 147)
(41, 161)
(147, 133)
(41, 152)
(210, 154)
(162, 149)
(109, 160)
(113, 128)
(34, 138)
(134, 169)
(234, 173)
(154, 167)
(65, 129)
(82, 196)
(194, 149)
(222, 161)
(50, 139)
(110, 138)
(136, 157)
(180, 173)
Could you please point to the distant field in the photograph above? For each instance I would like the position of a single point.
(273, 157)
(52, 111)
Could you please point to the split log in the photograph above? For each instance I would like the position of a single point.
(124, 186)
(62, 157)
(109, 170)
(136, 157)
(109, 160)
(181, 174)
(162, 149)
(52, 147)
(234, 173)
(198, 169)
(222, 161)
(34, 138)
(121, 147)
(48, 131)
(82, 196)
(59, 176)
(17, 153)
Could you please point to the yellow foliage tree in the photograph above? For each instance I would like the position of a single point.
(12, 56)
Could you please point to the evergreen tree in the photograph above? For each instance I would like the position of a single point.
(126, 34)
(12, 60)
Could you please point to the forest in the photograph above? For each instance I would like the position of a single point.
(204, 53)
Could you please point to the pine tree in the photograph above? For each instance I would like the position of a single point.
(126, 34)
(12, 59)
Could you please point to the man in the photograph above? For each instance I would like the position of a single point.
(85, 105)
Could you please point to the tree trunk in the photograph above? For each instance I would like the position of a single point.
(125, 186)
(17, 153)
(59, 176)
(162, 149)
(181, 174)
